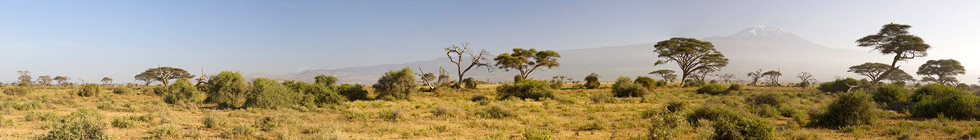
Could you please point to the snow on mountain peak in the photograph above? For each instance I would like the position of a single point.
(763, 31)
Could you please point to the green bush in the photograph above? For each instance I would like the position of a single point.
(592, 81)
(396, 84)
(495, 111)
(626, 88)
(526, 89)
(268, 93)
(646, 82)
(889, 93)
(664, 125)
(839, 85)
(960, 106)
(160, 90)
(712, 89)
(46, 116)
(770, 99)
(730, 124)
(850, 109)
(165, 131)
(600, 98)
(227, 89)
(470, 83)
(676, 106)
(934, 91)
(321, 95)
(353, 91)
(239, 132)
(89, 90)
(183, 92)
(531, 134)
(123, 122)
(734, 87)
(122, 90)
(82, 124)
(16, 90)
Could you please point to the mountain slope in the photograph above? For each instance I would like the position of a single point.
(766, 48)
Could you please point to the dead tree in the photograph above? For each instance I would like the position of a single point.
(476, 60)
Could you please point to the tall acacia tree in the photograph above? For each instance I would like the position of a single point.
(476, 60)
(690, 54)
(872, 70)
(25, 77)
(61, 79)
(526, 61)
(755, 76)
(899, 76)
(325, 80)
(727, 77)
(164, 74)
(944, 70)
(44, 80)
(773, 76)
(106, 80)
(894, 39)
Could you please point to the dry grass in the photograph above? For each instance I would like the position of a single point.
(443, 115)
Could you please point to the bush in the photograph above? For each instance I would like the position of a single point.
(46, 116)
(663, 125)
(839, 85)
(889, 93)
(495, 111)
(268, 93)
(959, 106)
(183, 92)
(676, 106)
(626, 88)
(850, 109)
(526, 89)
(319, 94)
(396, 84)
(82, 124)
(646, 82)
(122, 90)
(392, 115)
(212, 121)
(160, 90)
(227, 89)
(734, 87)
(89, 90)
(712, 89)
(592, 81)
(469, 83)
(353, 91)
(600, 98)
(730, 124)
(123, 122)
(770, 99)
(446, 111)
(165, 131)
(16, 90)
(531, 134)
(239, 132)
(934, 91)
(478, 98)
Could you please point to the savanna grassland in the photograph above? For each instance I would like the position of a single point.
(454, 114)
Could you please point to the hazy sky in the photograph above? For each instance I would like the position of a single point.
(92, 39)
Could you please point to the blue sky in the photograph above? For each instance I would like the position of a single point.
(93, 39)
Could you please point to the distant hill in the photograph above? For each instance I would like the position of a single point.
(766, 48)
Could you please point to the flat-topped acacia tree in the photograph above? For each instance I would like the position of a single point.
(894, 39)
(526, 61)
(164, 74)
(690, 54)
(944, 70)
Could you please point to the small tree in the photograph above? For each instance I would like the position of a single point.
(899, 76)
(670, 77)
(755, 76)
(894, 39)
(165, 74)
(183, 92)
(872, 70)
(664, 73)
(61, 80)
(557, 81)
(691, 55)
(228, 89)
(268, 93)
(773, 77)
(25, 77)
(106, 80)
(805, 79)
(325, 80)
(145, 77)
(396, 84)
(526, 61)
(476, 60)
(727, 77)
(944, 70)
(592, 81)
(426, 78)
(44, 80)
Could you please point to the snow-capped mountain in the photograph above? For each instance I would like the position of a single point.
(767, 48)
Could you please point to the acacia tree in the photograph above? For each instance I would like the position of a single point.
(899, 76)
(396, 84)
(670, 77)
(526, 61)
(755, 76)
(727, 77)
(61, 79)
(106, 80)
(664, 73)
(806, 77)
(871, 69)
(690, 54)
(592, 81)
(894, 39)
(165, 74)
(44, 80)
(25, 77)
(476, 60)
(145, 77)
(944, 70)
(773, 77)
(325, 80)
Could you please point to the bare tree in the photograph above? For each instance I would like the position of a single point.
(426, 78)
(476, 60)
(727, 77)
(755, 76)
(806, 77)
(443, 77)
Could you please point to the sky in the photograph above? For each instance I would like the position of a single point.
(88, 40)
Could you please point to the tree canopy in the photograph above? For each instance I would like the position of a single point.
(163, 74)
(872, 70)
(944, 70)
(526, 61)
(894, 39)
(325, 80)
(664, 73)
(691, 55)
